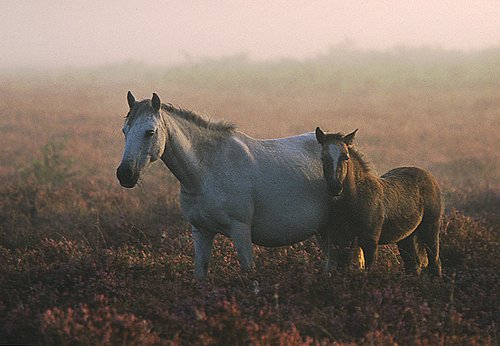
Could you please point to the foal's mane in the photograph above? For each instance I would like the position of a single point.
(357, 155)
(366, 164)
(144, 106)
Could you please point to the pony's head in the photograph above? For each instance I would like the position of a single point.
(144, 131)
(335, 156)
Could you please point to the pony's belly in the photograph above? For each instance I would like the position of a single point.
(287, 228)
(274, 237)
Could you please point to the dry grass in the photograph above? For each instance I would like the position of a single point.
(83, 261)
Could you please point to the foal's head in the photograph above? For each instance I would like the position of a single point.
(144, 138)
(335, 156)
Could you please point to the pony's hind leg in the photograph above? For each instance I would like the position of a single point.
(241, 236)
(326, 245)
(409, 253)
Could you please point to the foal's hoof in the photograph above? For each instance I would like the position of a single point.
(436, 274)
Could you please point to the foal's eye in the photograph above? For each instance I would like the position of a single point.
(149, 133)
(344, 157)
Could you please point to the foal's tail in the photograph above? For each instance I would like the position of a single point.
(442, 225)
(432, 223)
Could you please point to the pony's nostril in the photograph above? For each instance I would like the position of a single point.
(122, 172)
(126, 176)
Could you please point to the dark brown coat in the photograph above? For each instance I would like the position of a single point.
(402, 206)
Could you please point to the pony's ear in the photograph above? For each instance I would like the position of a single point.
(155, 102)
(320, 135)
(349, 139)
(130, 100)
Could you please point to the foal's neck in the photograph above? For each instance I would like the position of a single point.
(357, 174)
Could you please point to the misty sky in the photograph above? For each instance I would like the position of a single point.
(64, 33)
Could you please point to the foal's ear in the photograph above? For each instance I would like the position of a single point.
(130, 100)
(155, 102)
(349, 139)
(320, 135)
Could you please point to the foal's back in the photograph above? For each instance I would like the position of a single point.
(410, 196)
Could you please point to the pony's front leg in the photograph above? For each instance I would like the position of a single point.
(203, 242)
(241, 235)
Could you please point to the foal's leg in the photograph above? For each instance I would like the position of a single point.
(241, 236)
(346, 251)
(430, 238)
(408, 251)
(370, 237)
(369, 244)
(203, 242)
(370, 248)
(422, 259)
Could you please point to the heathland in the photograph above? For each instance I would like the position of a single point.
(84, 261)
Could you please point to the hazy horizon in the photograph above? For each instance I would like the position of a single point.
(59, 34)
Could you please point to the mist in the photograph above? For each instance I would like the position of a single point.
(53, 34)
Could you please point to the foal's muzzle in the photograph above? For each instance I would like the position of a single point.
(335, 188)
(127, 177)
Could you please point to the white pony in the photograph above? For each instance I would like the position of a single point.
(267, 192)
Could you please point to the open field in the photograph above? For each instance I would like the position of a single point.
(84, 261)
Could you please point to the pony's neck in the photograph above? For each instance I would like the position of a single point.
(178, 155)
(184, 152)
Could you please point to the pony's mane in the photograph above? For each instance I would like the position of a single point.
(201, 121)
(144, 106)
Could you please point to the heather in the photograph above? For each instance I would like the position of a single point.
(84, 261)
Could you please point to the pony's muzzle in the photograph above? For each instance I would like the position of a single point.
(127, 177)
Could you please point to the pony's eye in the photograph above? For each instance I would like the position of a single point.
(344, 157)
(149, 133)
